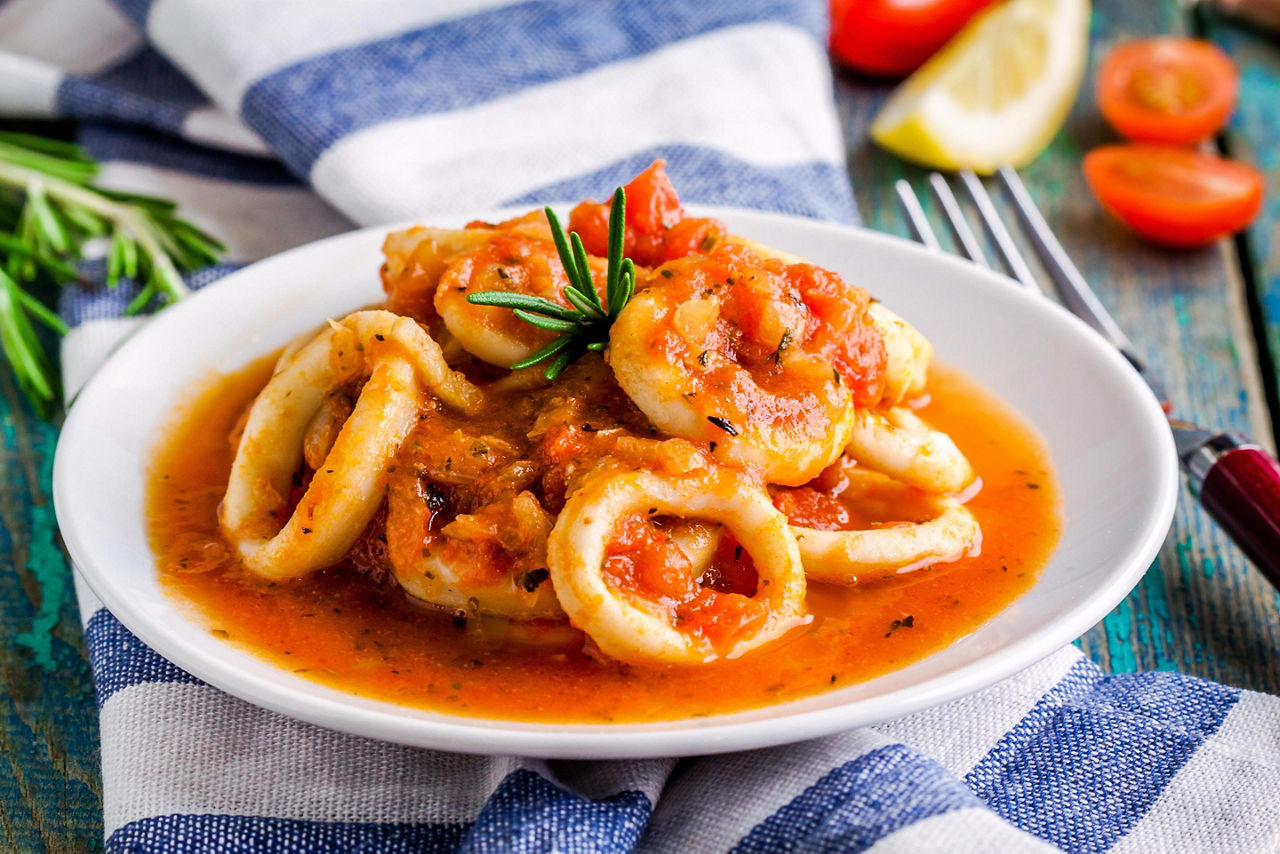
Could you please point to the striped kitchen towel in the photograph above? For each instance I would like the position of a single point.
(279, 123)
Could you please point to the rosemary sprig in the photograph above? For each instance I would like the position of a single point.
(49, 210)
(585, 326)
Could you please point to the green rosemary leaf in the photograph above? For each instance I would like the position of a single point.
(556, 368)
(582, 303)
(182, 227)
(51, 263)
(626, 287)
(597, 346)
(22, 350)
(129, 257)
(87, 223)
(151, 204)
(528, 302)
(66, 169)
(585, 284)
(617, 239)
(545, 353)
(562, 247)
(46, 219)
(115, 259)
(23, 268)
(55, 147)
(141, 301)
(555, 324)
(42, 312)
(164, 277)
(195, 253)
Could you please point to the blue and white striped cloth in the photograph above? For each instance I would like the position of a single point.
(288, 121)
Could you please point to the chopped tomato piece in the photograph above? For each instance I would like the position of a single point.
(1174, 196)
(657, 229)
(643, 559)
(731, 570)
(857, 350)
(1168, 89)
(809, 508)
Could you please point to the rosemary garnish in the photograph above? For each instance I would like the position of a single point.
(49, 209)
(585, 326)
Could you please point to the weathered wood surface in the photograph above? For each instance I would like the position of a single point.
(1253, 135)
(50, 794)
(1201, 609)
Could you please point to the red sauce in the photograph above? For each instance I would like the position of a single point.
(345, 629)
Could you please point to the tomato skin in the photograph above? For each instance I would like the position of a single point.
(657, 228)
(1174, 196)
(811, 508)
(1168, 90)
(895, 37)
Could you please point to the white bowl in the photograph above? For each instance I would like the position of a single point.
(1106, 433)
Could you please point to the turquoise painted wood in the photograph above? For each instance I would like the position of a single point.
(50, 794)
(1200, 610)
(1252, 136)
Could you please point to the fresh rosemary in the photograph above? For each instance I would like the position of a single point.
(49, 210)
(585, 326)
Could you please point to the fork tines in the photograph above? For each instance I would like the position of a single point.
(1070, 285)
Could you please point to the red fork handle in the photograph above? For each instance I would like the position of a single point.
(1240, 487)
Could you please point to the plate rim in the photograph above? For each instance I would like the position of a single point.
(714, 734)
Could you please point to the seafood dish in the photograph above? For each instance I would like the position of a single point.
(634, 468)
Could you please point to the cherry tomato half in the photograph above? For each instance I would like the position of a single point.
(1169, 89)
(1174, 196)
(895, 37)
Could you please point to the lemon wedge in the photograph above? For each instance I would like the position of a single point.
(996, 93)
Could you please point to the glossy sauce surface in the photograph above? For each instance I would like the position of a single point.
(344, 630)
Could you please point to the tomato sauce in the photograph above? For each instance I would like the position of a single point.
(346, 629)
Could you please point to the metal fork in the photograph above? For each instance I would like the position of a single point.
(1231, 475)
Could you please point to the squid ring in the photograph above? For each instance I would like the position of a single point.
(899, 443)
(630, 627)
(525, 263)
(799, 429)
(440, 571)
(908, 352)
(844, 557)
(908, 355)
(402, 363)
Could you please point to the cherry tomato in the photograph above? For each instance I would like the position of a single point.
(1174, 196)
(895, 37)
(1168, 89)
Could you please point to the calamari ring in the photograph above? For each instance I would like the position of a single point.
(438, 569)
(415, 260)
(789, 418)
(909, 353)
(402, 363)
(900, 444)
(633, 628)
(519, 262)
(846, 557)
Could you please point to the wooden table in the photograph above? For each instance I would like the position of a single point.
(1209, 320)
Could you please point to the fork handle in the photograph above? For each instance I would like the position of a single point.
(1239, 484)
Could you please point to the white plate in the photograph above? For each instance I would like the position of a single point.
(1107, 435)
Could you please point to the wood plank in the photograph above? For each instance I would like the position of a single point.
(50, 789)
(1201, 609)
(1252, 136)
